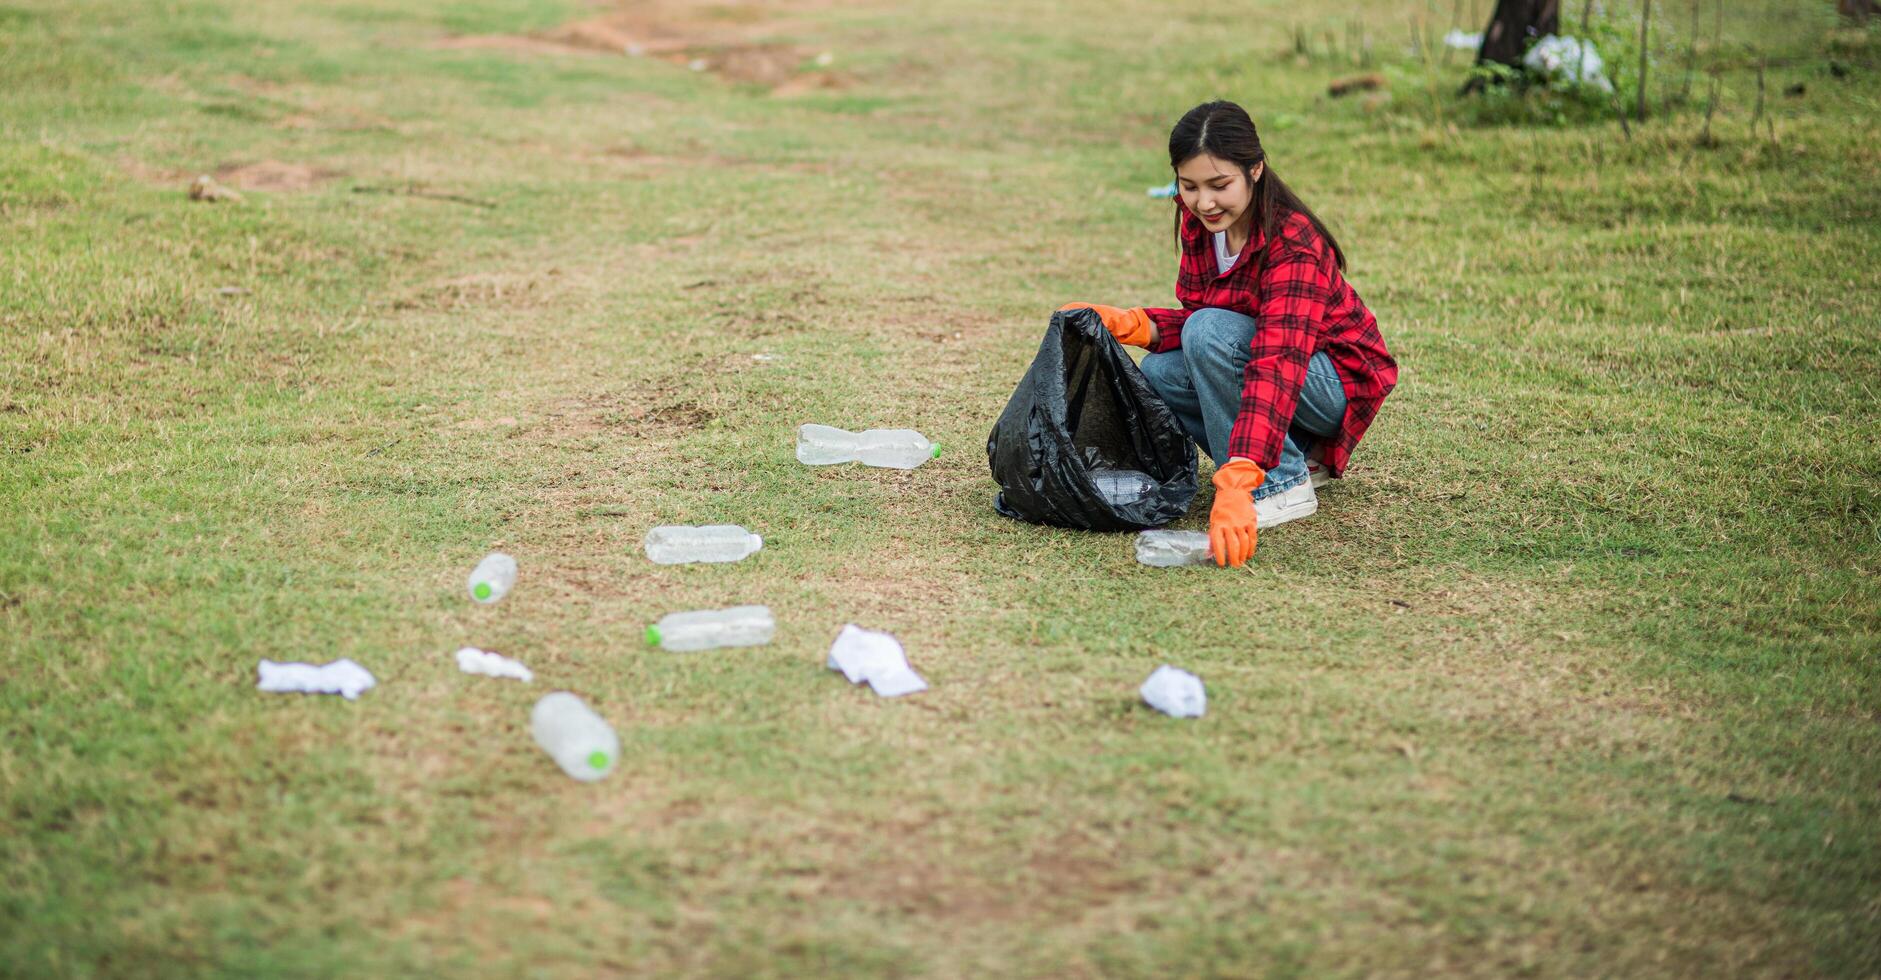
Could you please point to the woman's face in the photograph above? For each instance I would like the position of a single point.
(1215, 191)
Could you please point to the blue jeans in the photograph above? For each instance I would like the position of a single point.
(1201, 381)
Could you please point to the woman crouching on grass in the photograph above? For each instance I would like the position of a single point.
(1273, 364)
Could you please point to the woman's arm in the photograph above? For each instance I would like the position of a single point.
(1294, 288)
(1166, 332)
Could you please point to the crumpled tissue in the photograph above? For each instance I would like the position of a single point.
(866, 655)
(343, 677)
(1175, 692)
(471, 660)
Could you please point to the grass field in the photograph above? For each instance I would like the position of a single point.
(1575, 674)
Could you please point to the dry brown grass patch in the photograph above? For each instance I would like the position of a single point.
(274, 175)
(737, 42)
(630, 414)
(508, 290)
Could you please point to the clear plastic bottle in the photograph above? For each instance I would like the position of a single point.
(1122, 487)
(706, 629)
(674, 544)
(579, 741)
(493, 577)
(1167, 549)
(901, 449)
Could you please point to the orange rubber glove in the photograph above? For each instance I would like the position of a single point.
(1231, 530)
(1132, 327)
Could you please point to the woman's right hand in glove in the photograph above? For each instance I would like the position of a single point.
(1233, 531)
(1131, 327)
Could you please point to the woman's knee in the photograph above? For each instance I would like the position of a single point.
(1322, 398)
(1218, 331)
(1165, 370)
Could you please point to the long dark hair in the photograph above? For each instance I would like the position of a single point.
(1223, 129)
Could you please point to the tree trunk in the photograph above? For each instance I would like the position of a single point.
(1512, 28)
(1645, 28)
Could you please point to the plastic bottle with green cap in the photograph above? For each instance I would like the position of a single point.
(708, 629)
(493, 577)
(579, 741)
(901, 449)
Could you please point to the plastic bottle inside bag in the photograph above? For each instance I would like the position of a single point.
(1123, 487)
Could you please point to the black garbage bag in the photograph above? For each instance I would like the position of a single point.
(1085, 441)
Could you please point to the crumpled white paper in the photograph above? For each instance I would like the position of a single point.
(342, 677)
(1569, 60)
(866, 655)
(1175, 692)
(471, 660)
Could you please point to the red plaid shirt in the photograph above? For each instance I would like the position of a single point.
(1293, 288)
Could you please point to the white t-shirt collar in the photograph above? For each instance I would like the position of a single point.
(1223, 260)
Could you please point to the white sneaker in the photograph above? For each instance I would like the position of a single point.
(1287, 505)
(1316, 474)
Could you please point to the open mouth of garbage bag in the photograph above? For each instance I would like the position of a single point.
(1085, 442)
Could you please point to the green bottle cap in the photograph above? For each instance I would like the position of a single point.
(653, 636)
(481, 590)
(936, 451)
(597, 760)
